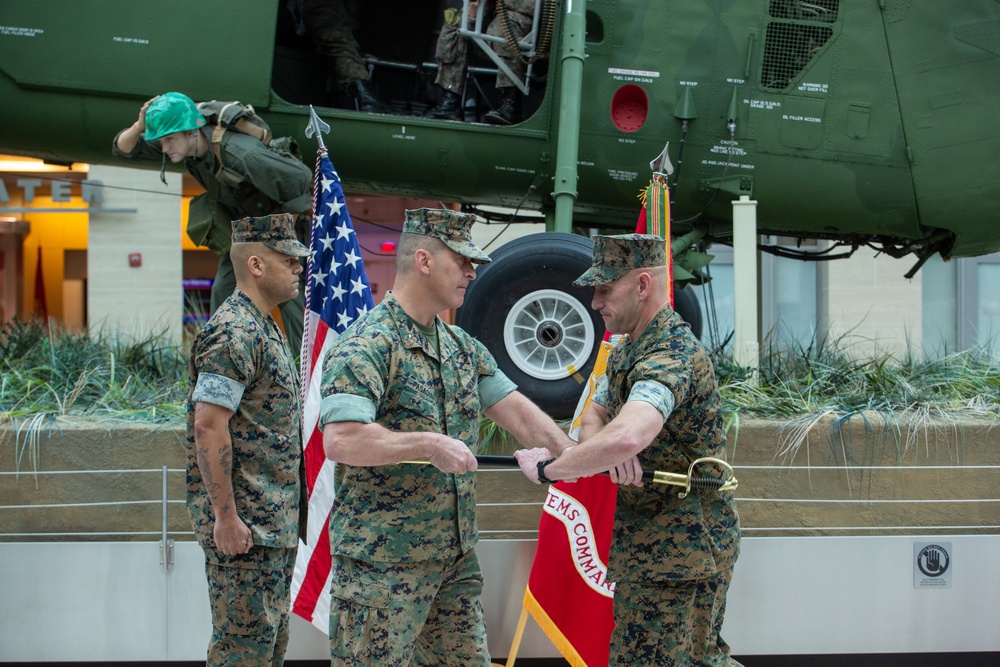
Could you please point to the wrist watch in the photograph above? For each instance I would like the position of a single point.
(541, 472)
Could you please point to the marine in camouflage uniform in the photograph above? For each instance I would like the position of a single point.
(259, 182)
(330, 27)
(452, 55)
(241, 368)
(406, 581)
(452, 50)
(671, 558)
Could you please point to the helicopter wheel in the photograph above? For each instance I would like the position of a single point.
(686, 305)
(539, 327)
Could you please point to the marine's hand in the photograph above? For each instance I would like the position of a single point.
(140, 124)
(232, 537)
(528, 460)
(453, 456)
(627, 472)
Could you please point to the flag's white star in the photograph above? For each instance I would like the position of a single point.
(321, 277)
(327, 241)
(351, 259)
(335, 207)
(343, 320)
(357, 286)
(344, 231)
(338, 292)
(327, 182)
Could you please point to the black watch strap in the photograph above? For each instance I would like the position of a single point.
(541, 472)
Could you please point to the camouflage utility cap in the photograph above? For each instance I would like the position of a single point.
(614, 256)
(454, 229)
(275, 231)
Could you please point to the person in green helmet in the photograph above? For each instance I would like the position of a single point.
(255, 181)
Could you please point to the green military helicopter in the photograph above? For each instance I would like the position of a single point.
(864, 123)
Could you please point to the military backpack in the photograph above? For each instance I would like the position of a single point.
(208, 224)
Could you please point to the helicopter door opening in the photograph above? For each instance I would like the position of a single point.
(397, 43)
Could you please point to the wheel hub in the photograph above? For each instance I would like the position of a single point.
(548, 334)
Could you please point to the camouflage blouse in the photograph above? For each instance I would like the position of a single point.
(384, 370)
(240, 361)
(658, 535)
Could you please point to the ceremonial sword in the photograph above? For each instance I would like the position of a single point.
(688, 481)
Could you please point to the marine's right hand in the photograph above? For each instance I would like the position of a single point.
(232, 537)
(140, 124)
(453, 456)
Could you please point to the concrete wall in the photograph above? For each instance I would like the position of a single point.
(790, 483)
(143, 299)
(868, 301)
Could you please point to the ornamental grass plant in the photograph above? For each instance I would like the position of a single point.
(47, 371)
(901, 403)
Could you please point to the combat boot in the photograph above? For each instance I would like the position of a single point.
(449, 108)
(509, 111)
(368, 101)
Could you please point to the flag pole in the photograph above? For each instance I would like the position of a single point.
(515, 644)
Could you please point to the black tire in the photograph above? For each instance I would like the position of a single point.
(540, 328)
(532, 274)
(686, 305)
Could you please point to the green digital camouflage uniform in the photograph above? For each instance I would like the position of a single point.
(671, 558)
(329, 26)
(240, 361)
(452, 50)
(271, 183)
(405, 573)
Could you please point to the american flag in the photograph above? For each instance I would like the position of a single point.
(337, 294)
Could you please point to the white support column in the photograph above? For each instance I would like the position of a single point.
(746, 343)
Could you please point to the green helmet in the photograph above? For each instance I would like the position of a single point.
(172, 112)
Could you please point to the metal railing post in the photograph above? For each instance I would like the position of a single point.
(166, 544)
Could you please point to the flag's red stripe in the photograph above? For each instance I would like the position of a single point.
(322, 329)
(315, 579)
(315, 457)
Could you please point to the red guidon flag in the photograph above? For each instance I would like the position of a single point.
(569, 594)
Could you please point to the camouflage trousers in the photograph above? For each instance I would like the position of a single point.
(671, 624)
(292, 312)
(250, 596)
(396, 614)
(452, 50)
(329, 26)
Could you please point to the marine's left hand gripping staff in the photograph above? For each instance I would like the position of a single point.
(726, 482)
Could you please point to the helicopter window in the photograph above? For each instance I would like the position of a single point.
(595, 28)
(824, 11)
(788, 50)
